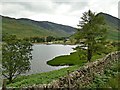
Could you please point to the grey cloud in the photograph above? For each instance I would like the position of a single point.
(119, 10)
(75, 5)
(31, 6)
(79, 5)
(8, 8)
(48, 7)
(22, 7)
(40, 6)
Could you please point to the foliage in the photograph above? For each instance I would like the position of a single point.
(50, 38)
(37, 39)
(92, 33)
(109, 79)
(46, 39)
(42, 78)
(81, 52)
(0, 53)
(16, 54)
(45, 78)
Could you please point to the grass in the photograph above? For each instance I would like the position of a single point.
(72, 59)
(0, 65)
(0, 53)
(113, 35)
(23, 31)
(112, 82)
(27, 29)
(109, 79)
(45, 78)
(42, 78)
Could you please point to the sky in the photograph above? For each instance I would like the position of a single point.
(66, 12)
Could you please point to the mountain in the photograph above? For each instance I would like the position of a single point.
(50, 26)
(29, 28)
(113, 25)
(111, 20)
(24, 27)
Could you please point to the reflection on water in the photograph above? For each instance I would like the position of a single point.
(42, 53)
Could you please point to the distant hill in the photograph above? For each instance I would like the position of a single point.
(29, 28)
(24, 27)
(111, 20)
(113, 25)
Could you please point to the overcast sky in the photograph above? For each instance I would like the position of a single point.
(67, 12)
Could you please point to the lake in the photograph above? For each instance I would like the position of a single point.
(42, 53)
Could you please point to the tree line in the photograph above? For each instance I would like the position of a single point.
(46, 39)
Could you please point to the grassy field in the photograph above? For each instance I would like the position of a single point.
(72, 59)
(42, 78)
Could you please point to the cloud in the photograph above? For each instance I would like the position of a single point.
(14, 8)
(119, 10)
(105, 6)
(60, 19)
(60, 11)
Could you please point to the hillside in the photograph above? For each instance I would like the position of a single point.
(24, 27)
(30, 28)
(111, 20)
(113, 26)
(50, 26)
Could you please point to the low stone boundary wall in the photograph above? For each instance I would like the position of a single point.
(85, 74)
(80, 77)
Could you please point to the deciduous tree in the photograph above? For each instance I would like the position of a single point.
(16, 56)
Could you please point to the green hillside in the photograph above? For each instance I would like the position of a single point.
(29, 28)
(113, 26)
(62, 29)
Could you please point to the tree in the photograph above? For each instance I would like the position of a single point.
(16, 56)
(81, 51)
(92, 32)
(50, 38)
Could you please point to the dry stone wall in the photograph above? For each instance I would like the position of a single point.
(85, 74)
(80, 77)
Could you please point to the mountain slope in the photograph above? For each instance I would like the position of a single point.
(50, 26)
(113, 25)
(30, 28)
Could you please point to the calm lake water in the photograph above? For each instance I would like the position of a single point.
(42, 53)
